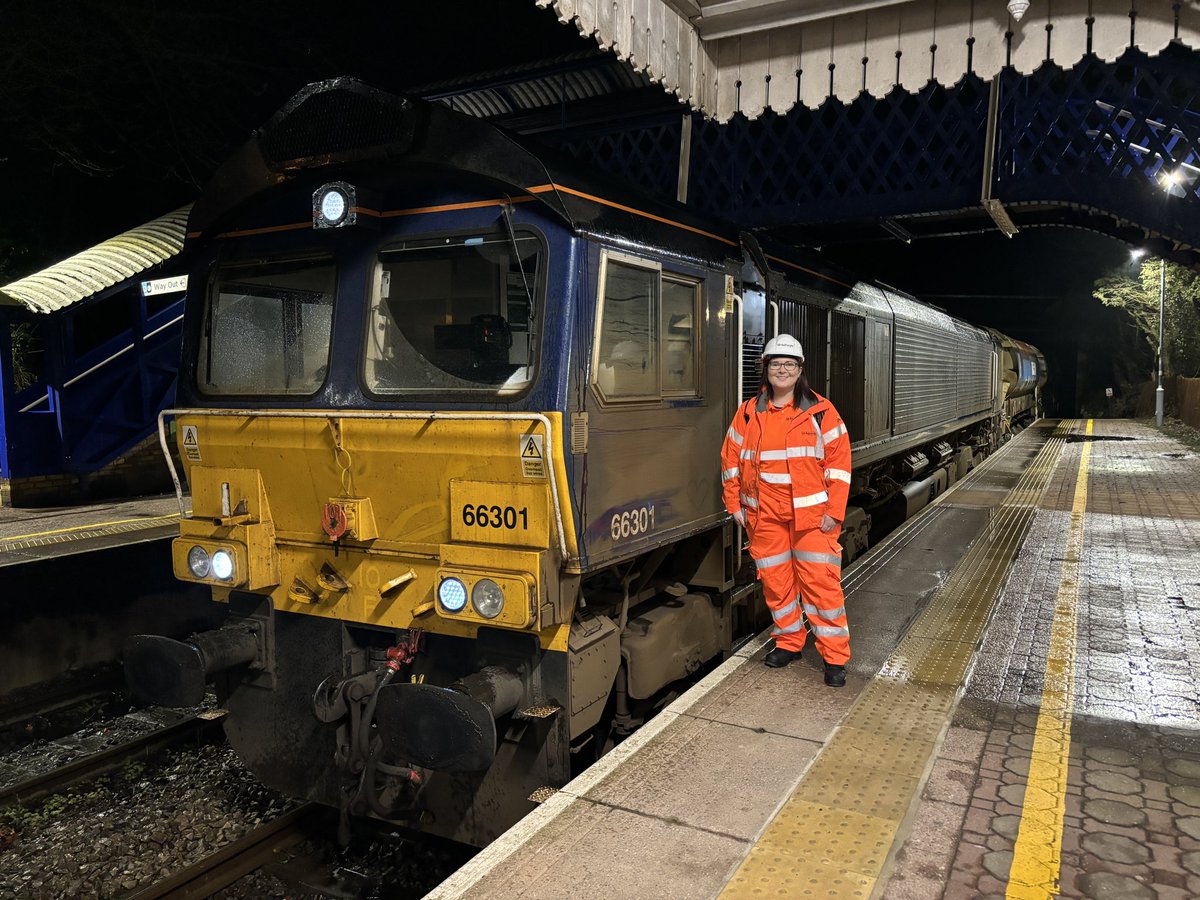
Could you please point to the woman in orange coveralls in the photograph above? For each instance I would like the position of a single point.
(785, 468)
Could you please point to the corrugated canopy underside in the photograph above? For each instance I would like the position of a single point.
(728, 56)
(88, 273)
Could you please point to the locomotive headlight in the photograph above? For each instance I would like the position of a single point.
(334, 205)
(222, 565)
(197, 560)
(487, 598)
(452, 594)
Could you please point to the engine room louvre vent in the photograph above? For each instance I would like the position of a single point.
(579, 432)
(340, 118)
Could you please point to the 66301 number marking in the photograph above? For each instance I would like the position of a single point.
(632, 522)
(483, 516)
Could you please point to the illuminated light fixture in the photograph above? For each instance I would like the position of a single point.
(222, 565)
(1136, 254)
(1017, 8)
(335, 205)
(895, 229)
(452, 594)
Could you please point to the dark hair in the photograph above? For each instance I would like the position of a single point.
(803, 388)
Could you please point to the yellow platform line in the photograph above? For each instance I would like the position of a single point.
(834, 836)
(76, 528)
(1038, 852)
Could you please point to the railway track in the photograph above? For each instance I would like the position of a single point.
(204, 727)
(248, 853)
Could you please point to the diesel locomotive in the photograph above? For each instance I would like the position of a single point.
(450, 414)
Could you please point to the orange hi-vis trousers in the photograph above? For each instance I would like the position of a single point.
(801, 573)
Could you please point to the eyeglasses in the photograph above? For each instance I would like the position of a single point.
(783, 365)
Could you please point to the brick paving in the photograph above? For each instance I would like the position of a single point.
(1132, 819)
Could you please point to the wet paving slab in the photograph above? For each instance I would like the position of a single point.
(1130, 802)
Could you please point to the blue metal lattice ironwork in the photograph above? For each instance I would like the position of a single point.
(1082, 146)
(1107, 136)
(874, 157)
(645, 154)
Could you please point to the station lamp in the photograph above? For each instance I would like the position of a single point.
(1017, 8)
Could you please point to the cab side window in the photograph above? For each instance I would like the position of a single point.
(680, 301)
(646, 338)
(628, 353)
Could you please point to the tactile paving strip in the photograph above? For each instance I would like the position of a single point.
(865, 779)
(84, 532)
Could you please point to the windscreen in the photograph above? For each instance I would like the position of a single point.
(267, 329)
(455, 314)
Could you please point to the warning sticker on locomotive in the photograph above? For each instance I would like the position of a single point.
(191, 443)
(533, 456)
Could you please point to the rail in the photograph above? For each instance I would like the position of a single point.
(203, 727)
(235, 860)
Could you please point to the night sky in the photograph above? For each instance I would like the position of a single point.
(115, 112)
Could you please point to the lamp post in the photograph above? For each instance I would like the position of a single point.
(1162, 295)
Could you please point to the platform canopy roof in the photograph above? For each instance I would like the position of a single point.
(98, 268)
(722, 56)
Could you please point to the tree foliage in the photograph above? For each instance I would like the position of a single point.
(1138, 296)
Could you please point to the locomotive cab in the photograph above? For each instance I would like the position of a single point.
(421, 410)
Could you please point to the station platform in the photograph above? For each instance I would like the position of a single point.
(1021, 718)
(27, 535)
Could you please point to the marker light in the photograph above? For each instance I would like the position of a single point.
(487, 598)
(452, 594)
(333, 205)
(222, 565)
(197, 561)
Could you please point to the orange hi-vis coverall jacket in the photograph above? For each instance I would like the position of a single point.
(786, 468)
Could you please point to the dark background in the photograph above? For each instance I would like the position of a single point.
(113, 113)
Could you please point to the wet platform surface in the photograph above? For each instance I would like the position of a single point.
(1021, 718)
(36, 534)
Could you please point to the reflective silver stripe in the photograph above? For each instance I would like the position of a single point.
(773, 455)
(734, 436)
(830, 631)
(820, 448)
(834, 433)
(827, 614)
(783, 613)
(777, 560)
(810, 500)
(837, 475)
(730, 474)
(772, 478)
(749, 501)
(790, 629)
(811, 556)
(794, 452)
(747, 454)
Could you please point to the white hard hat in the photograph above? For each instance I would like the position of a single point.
(783, 345)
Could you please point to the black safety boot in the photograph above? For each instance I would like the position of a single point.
(835, 676)
(778, 658)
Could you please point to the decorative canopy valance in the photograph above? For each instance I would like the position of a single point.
(725, 56)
